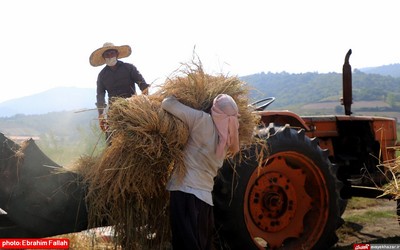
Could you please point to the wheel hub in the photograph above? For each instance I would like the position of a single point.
(277, 203)
(273, 202)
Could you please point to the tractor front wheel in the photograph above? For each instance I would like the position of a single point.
(289, 201)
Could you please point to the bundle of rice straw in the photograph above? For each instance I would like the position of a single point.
(197, 89)
(392, 173)
(126, 184)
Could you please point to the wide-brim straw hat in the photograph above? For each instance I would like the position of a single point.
(96, 58)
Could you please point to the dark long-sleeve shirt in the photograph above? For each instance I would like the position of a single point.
(119, 82)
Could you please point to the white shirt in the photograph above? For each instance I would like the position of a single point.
(200, 159)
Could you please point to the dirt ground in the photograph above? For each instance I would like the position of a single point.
(370, 229)
(374, 229)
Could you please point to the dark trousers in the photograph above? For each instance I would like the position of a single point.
(192, 222)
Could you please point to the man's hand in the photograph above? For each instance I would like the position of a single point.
(145, 91)
(103, 123)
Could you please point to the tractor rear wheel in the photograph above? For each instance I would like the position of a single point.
(290, 202)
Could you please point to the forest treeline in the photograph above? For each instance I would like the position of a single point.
(290, 90)
(66, 134)
(304, 88)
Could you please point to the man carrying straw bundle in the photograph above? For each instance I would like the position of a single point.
(211, 137)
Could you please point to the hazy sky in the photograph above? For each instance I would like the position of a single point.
(47, 43)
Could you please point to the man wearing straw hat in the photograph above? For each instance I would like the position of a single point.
(211, 137)
(117, 78)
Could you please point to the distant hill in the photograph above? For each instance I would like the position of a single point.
(51, 115)
(369, 84)
(62, 124)
(304, 88)
(386, 70)
(53, 100)
(63, 133)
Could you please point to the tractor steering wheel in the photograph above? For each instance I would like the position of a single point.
(264, 103)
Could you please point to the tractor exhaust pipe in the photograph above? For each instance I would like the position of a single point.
(347, 99)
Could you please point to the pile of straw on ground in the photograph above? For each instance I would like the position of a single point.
(392, 172)
(126, 183)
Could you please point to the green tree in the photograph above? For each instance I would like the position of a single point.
(391, 99)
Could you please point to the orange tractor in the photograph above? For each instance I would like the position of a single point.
(314, 164)
(293, 199)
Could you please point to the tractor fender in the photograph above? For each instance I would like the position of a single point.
(281, 118)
